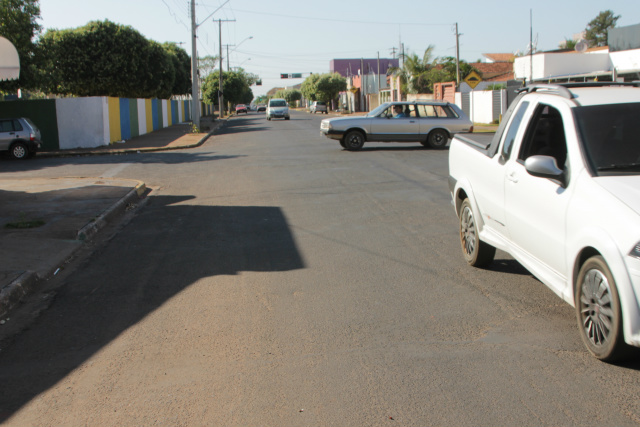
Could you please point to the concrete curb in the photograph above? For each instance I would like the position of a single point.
(11, 294)
(92, 228)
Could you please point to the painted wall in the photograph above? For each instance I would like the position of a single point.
(80, 122)
(91, 122)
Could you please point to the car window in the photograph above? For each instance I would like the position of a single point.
(609, 136)
(513, 129)
(278, 104)
(545, 136)
(6, 125)
(435, 111)
(17, 126)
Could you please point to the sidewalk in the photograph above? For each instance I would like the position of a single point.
(69, 210)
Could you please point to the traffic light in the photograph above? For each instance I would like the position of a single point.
(284, 76)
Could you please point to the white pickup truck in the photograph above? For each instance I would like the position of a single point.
(558, 188)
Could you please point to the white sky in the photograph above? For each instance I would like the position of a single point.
(303, 36)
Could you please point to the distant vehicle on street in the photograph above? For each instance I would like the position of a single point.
(278, 109)
(19, 137)
(261, 107)
(318, 107)
(241, 108)
(430, 123)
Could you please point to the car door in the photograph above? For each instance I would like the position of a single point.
(536, 207)
(385, 127)
(433, 116)
(7, 134)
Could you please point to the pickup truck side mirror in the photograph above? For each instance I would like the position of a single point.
(545, 167)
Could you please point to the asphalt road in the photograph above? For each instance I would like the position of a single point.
(274, 279)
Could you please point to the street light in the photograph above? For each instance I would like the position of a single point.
(240, 66)
(236, 46)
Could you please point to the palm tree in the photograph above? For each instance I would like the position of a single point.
(414, 73)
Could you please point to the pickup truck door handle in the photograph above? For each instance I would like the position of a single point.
(512, 177)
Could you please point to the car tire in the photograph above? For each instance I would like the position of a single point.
(268, 118)
(287, 118)
(19, 151)
(476, 252)
(438, 139)
(342, 143)
(598, 311)
(353, 140)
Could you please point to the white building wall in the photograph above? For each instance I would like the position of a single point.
(142, 116)
(558, 65)
(481, 105)
(626, 61)
(81, 122)
(165, 113)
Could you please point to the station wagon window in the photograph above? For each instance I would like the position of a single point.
(436, 111)
(545, 136)
(513, 130)
(17, 126)
(408, 109)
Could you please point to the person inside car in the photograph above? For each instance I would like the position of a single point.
(398, 113)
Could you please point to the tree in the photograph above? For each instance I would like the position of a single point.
(207, 65)
(290, 95)
(323, 87)
(568, 44)
(417, 75)
(414, 71)
(182, 65)
(598, 28)
(107, 59)
(18, 24)
(236, 87)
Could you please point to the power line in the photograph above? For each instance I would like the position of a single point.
(420, 24)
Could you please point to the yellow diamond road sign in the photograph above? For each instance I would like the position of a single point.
(473, 79)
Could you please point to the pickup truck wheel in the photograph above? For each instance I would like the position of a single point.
(19, 151)
(476, 252)
(438, 139)
(598, 311)
(353, 140)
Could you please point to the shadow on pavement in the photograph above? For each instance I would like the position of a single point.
(166, 248)
(159, 157)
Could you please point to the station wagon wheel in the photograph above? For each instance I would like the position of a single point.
(598, 311)
(476, 252)
(438, 138)
(353, 140)
(19, 151)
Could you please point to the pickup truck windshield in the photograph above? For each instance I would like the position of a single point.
(611, 137)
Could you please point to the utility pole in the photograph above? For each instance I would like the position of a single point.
(220, 94)
(530, 46)
(227, 46)
(195, 89)
(195, 92)
(457, 56)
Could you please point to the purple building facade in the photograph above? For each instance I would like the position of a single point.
(350, 67)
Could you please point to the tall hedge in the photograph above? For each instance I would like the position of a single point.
(107, 59)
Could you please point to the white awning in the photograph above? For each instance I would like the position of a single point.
(9, 61)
